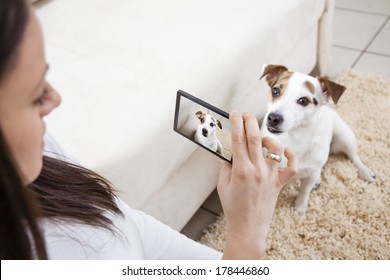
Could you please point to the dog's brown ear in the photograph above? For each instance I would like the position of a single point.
(219, 124)
(199, 114)
(331, 89)
(272, 73)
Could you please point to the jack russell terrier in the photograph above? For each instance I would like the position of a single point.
(206, 133)
(298, 118)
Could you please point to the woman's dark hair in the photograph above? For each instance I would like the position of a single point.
(63, 191)
(14, 15)
(19, 233)
(66, 191)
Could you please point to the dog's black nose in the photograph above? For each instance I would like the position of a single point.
(274, 119)
(204, 132)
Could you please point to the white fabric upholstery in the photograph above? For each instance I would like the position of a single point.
(119, 63)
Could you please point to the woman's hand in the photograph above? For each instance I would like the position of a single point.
(249, 188)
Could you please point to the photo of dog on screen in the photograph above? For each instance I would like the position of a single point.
(206, 133)
(206, 127)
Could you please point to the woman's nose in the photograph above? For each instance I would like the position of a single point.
(56, 99)
(53, 100)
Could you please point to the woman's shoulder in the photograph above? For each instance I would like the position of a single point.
(67, 239)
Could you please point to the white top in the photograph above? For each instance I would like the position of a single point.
(136, 235)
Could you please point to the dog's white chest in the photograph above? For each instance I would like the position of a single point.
(310, 146)
(209, 142)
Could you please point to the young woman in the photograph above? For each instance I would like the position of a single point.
(54, 209)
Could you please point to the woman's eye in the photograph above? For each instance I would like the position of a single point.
(303, 101)
(275, 92)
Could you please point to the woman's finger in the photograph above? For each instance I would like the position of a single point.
(274, 150)
(286, 174)
(224, 174)
(254, 141)
(239, 148)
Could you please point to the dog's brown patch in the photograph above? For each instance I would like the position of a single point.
(219, 124)
(309, 86)
(280, 83)
(272, 73)
(201, 116)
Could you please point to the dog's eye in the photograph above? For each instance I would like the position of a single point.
(303, 101)
(275, 92)
(212, 125)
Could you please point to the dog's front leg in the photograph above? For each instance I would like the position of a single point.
(307, 185)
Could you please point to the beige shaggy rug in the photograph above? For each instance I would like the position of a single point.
(347, 218)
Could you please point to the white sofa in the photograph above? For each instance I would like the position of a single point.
(119, 63)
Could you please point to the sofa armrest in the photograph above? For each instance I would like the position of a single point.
(325, 39)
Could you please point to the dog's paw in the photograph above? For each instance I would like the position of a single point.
(301, 210)
(367, 175)
(300, 207)
(317, 186)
